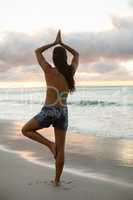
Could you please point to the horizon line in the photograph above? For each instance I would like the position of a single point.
(78, 83)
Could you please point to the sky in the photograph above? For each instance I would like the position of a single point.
(100, 30)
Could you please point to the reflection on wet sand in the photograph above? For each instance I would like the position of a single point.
(87, 152)
(126, 153)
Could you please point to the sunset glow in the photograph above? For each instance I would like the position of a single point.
(100, 30)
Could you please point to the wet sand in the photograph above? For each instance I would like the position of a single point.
(95, 167)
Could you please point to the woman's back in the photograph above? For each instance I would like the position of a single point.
(57, 88)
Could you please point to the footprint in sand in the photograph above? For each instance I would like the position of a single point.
(63, 184)
(37, 182)
(66, 182)
(30, 183)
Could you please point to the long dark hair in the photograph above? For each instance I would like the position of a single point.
(60, 61)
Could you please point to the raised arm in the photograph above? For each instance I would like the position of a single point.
(72, 51)
(41, 59)
(75, 59)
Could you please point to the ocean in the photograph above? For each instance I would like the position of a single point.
(100, 110)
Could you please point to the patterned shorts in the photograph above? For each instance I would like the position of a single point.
(57, 116)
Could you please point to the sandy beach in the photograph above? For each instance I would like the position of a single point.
(95, 167)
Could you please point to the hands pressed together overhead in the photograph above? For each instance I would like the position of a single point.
(58, 38)
(41, 59)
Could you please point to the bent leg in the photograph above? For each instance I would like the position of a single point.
(29, 130)
(60, 136)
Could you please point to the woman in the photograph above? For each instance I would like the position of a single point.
(60, 81)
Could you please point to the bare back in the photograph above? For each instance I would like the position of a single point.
(57, 88)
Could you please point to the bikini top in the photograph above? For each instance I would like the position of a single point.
(62, 94)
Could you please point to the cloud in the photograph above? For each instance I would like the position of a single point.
(131, 3)
(18, 48)
(103, 66)
(113, 44)
(105, 70)
(100, 52)
(22, 74)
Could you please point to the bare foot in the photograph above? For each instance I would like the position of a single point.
(53, 149)
(55, 183)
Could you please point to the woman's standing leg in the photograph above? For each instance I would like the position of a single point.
(60, 136)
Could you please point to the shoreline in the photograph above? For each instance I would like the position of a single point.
(21, 179)
(93, 176)
(75, 132)
(101, 162)
(77, 144)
